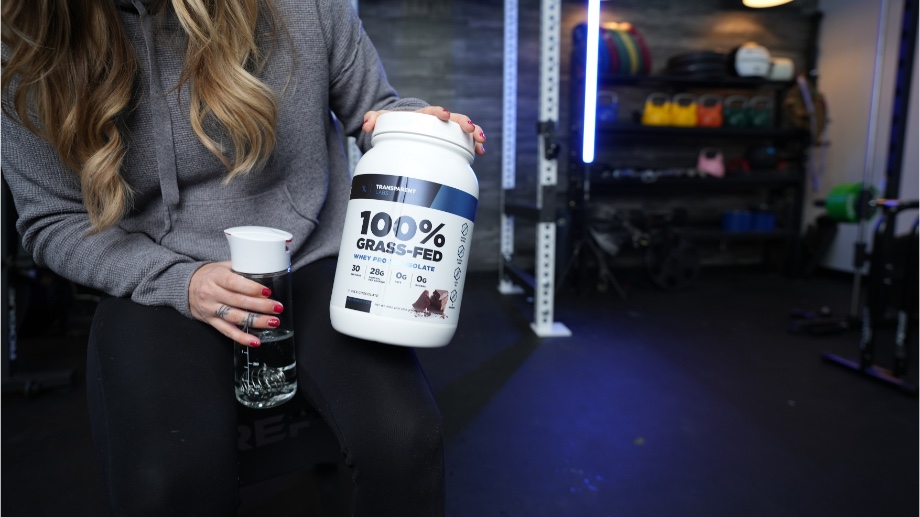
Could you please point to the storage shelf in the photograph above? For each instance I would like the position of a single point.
(717, 234)
(624, 143)
(733, 181)
(677, 81)
(747, 133)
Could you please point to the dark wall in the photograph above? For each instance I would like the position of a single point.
(449, 52)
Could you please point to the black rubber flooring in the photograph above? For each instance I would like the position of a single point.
(691, 403)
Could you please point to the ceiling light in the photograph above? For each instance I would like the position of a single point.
(764, 3)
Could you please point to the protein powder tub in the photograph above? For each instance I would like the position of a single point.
(408, 229)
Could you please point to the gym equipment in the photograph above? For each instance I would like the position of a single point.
(738, 166)
(750, 60)
(735, 111)
(629, 65)
(737, 221)
(657, 110)
(819, 237)
(760, 112)
(711, 162)
(671, 260)
(596, 237)
(543, 213)
(644, 54)
(818, 323)
(892, 283)
(850, 203)
(763, 221)
(702, 64)
(781, 69)
(709, 111)
(607, 107)
(619, 60)
(762, 157)
(740, 221)
(607, 57)
(683, 110)
(894, 261)
(634, 55)
(283, 439)
(805, 108)
(621, 48)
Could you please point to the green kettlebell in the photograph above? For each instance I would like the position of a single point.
(735, 111)
(760, 112)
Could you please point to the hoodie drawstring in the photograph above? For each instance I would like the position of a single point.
(162, 131)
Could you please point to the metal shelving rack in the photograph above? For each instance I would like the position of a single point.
(512, 279)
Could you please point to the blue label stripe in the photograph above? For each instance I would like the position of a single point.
(400, 189)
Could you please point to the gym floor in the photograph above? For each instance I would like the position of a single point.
(695, 403)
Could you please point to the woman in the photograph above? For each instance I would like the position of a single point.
(135, 132)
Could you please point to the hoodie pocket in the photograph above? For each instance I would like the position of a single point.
(198, 226)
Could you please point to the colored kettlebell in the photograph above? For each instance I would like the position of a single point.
(760, 112)
(657, 110)
(709, 111)
(735, 111)
(606, 107)
(710, 161)
(683, 110)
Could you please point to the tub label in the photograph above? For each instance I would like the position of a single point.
(405, 248)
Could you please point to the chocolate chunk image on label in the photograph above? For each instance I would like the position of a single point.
(423, 302)
(438, 301)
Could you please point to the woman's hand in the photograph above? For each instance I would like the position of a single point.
(224, 299)
(370, 120)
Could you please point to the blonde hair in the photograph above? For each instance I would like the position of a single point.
(71, 71)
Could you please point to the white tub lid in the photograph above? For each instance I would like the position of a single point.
(426, 125)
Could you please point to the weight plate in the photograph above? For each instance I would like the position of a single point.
(697, 58)
(842, 200)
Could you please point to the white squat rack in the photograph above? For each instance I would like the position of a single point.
(512, 279)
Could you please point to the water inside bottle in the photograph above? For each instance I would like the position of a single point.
(266, 376)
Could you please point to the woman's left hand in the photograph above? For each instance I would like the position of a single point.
(479, 137)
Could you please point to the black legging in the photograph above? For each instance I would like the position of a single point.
(163, 410)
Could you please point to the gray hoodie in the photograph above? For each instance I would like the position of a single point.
(181, 205)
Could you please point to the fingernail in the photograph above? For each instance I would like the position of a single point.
(365, 121)
(483, 148)
(274, 322)
(278, 308)
(483, 135)
(445, 110)
(470, 122)
(254, 344)
(266, 291)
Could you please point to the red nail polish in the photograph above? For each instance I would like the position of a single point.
(254, 344)
(266, 291)
(278, 308)
(365, 121)
(483, 135)
(471, 122)
(274, 322)
(445, 110)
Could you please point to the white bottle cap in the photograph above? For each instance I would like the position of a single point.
(426, 125)
(259, 250)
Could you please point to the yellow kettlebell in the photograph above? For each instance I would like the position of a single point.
(683, 110)
(657, 110)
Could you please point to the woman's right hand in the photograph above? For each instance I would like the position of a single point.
(224, 299)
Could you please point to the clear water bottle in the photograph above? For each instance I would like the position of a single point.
(265, 376)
